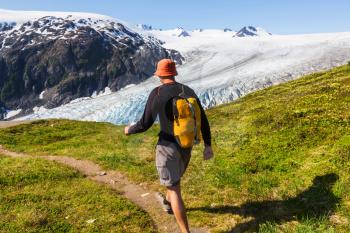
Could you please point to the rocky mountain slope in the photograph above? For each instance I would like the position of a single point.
(52, 60)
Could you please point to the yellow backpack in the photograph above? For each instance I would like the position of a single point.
(187, 120)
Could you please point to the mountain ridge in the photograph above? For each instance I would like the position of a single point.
(52, 60)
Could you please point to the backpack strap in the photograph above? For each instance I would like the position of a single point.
(182, 93)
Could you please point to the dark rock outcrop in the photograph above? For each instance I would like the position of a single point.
(249, 31)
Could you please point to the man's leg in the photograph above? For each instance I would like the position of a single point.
(177, 204)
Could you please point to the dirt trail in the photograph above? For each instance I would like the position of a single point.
(6, 124)
(139, 195)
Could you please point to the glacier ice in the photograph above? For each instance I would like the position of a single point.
(219, 68)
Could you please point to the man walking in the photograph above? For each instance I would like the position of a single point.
(171, 159)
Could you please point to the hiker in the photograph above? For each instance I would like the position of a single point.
(182, 122)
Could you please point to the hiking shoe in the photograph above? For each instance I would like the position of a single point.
(165, 204)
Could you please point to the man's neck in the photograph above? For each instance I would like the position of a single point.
(167, 81)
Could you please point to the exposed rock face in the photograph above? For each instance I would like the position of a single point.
(51, 61)
(145, 27)
(7, 26)
(180, 32)
(249, 31)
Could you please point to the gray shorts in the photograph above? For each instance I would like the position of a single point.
(171, 162)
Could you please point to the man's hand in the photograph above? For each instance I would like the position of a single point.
(126, 130)
(208, 153)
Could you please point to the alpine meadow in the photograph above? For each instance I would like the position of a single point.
(282, 164)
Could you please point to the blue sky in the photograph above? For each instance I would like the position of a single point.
(277, 16)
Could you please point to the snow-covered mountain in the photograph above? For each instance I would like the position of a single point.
(252, 31)
(145, 27)
(181, 32)
(219, 66)
(20, 17)
(228, 30)
(51, 58)
(247, 31)
(177, 32)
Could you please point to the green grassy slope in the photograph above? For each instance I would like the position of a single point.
(41, 196)
(282, 157)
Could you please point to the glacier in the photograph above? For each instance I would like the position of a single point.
(219, 68)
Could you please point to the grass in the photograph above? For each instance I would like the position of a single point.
(102, 143)
(42, 196)
(282, 159)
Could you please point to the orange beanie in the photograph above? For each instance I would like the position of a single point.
(166, 68)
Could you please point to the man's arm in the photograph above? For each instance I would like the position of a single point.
(148, 117)
(206, 134)
(205, 128)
